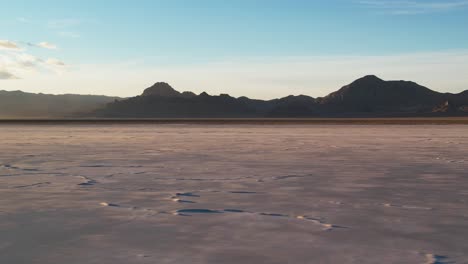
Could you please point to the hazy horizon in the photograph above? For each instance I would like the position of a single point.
(260, 49)
(220, 93)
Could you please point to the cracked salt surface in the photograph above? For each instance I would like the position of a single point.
(233, 194)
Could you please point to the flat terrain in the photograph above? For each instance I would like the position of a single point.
(244, 193)
(460, 120)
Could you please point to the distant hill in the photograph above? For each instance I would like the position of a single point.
(366, 97)
(161, 100)
(17, 104)
(369, 96)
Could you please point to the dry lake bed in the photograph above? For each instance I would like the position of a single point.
(175, 193)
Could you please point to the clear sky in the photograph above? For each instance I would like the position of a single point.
(258, 48)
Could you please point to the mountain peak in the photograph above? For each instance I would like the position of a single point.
(161, 89)
(369, 79)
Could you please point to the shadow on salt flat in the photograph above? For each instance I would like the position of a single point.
(187, 194)
(324, 225)
(11, 167)
(203, 179)
(197, 211)
(109, 204)
(234, 211)
(88, 181)
(33, 185)
(109, 166)
(274, 214)
(95, 166)
(177, 200)
(287, 177)
(437, 259)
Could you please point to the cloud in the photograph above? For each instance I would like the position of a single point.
(56, 66)
(55, 62)
(19, 62)
(15, 61)
(414, 6)
(23, 64)
(4, 75)
(46, 45)
(8, 45)
(26, 61)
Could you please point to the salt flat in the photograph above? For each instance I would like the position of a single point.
(233, 194)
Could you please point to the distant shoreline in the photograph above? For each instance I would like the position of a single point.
(248, 121)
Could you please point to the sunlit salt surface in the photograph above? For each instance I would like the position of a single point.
(233, 194)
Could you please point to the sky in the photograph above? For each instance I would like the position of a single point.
(258, 48)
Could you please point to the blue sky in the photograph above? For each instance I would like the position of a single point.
(260, 48)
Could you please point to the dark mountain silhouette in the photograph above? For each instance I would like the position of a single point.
(373, 95)
(161, 89)
(171, 104)
(17, 104)
(367, 96)
(293, 106)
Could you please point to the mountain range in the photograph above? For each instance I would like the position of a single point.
(369, 96)
(366, 97)
(18, 104)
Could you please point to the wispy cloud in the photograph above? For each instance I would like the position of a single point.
(46, 45)
(8, 45)
(55, 62)
(42, 45)
(5, 75)
(16, 61)
(415, 6)
(20, 64)
(16, 46)
(23, 61)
